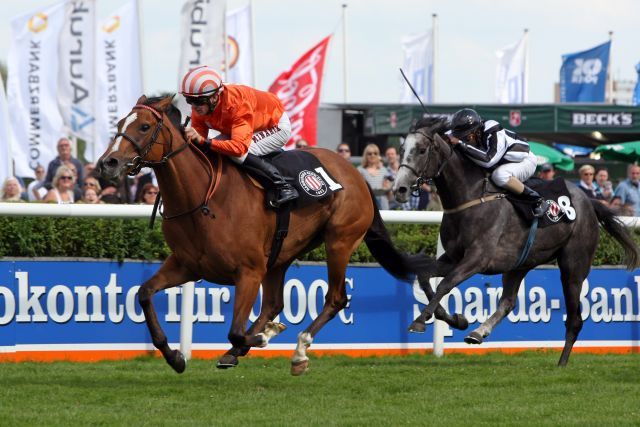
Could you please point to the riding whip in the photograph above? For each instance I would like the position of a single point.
(414, 91)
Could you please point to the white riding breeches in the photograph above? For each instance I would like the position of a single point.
(522, 170)
(266, 141)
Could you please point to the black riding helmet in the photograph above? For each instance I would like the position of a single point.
(465, 122)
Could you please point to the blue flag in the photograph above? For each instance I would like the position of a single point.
(636, 91)
(583, 75)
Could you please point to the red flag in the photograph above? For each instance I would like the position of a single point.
(299, 91)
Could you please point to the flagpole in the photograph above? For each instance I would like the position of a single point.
(525, 92)
(253, 44)
(94, 126)
(610, 70)
(344, 51)
(225, 45)
(434, 57)
(139, 12)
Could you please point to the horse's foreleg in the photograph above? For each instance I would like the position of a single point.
(170, 274)
(457, 321)
(272, 305)
(510, 284)
(247, 286)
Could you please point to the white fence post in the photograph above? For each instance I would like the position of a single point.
(438, 325)
(186, 319)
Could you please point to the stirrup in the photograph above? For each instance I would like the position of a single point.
(286, 194)
(540, 208)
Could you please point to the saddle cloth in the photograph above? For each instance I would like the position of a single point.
(305, 172)
(555, 193)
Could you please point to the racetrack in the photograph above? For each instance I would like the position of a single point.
(522, 389)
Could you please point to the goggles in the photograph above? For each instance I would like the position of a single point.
(197, 100)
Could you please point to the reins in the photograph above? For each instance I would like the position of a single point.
(421, 178)
(139, 162)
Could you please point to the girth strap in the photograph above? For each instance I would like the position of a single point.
(529, 243)
(475, 202)
(282, 229)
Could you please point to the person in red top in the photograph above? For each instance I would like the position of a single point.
(252, 123)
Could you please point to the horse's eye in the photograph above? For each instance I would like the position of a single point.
(422, 151)
(145, 127)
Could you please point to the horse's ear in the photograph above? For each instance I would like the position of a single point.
(142, 100)
(165, 103)
(439, 139)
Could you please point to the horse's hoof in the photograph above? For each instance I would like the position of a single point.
(299, 368)
(227, 361)
(473, 338)
(417, 327)
(460, 321)
(177, 361)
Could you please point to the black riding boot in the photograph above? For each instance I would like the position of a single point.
(540, 205)
(284, 191)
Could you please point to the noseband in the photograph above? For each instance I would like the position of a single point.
(139, 161)
(421, 177)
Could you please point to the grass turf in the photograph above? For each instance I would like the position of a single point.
(494, 389)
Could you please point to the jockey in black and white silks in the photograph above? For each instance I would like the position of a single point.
(490, 146)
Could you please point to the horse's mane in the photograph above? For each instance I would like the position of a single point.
(436, 124)
(173, 112)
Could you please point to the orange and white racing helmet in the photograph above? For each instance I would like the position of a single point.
(201, 81)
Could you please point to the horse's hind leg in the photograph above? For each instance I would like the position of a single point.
(338, 253)
(510, 284)
(170, 274)
(573, 270)
(272, 305)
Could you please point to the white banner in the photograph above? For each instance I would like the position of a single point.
(418, 67)
(119, 73)
(511, 73)
(76, 95)
(32, 87)
(203, 43)
(6, 168)
(240, 46)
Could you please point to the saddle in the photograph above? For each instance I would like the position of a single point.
(555, 193)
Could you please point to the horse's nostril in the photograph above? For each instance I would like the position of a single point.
(110, 163)
(402, 190)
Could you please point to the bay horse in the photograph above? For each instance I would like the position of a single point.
(219, 230)
(482, 233)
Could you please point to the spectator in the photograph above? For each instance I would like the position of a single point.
(88, 169)
(12, 191)
(435, 204)
(110, 194)
(77, 191)
(629, 189)
(301, 143)
(90, 196)
(91, 182)
(148, 195)
(63, 184)
(36, 190)
(603, 183)
(547, 172)
(344, 150)
(586, 184)
(374, 172)
(137, 183)
(64, 155)
(618, 208)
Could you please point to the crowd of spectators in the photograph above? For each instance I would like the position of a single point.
(67, 180)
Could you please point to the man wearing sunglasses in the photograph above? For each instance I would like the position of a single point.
(252, 123)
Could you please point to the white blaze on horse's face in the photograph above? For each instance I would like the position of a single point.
(405, 178)
(130, 119)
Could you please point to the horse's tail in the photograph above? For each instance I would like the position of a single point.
(400, 265)
(615, 227)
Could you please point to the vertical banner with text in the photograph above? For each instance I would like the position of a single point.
(511, 73)
(299, 90)
(6, 168)
(32, 87)
(119, 72)
(239, 46)
(203, 39)
(76, 95)
(418, 67)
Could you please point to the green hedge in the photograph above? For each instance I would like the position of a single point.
(119, 239)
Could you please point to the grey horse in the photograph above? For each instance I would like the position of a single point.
(482, 233)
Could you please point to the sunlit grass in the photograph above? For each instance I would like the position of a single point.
(495, 389)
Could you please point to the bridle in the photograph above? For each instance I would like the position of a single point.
(421, 178)
(140, 161)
